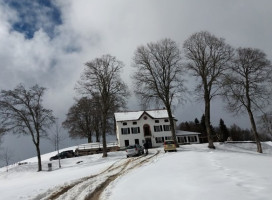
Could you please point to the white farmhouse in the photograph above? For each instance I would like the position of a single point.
(151, 126)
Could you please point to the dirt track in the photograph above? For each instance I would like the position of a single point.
(87, 188)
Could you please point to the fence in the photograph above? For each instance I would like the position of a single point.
(95, 145)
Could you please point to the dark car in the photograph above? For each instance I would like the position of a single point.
(64, 154)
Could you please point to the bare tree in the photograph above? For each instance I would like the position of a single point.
(102, 77)
(82, 119)
(3, 127)
(6, 157)
(2, 131)
(208, 57)
(247, 86)
(159, 76)
(56, 138)
(25, 114)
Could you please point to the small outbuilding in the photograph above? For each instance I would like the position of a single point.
(186, 137)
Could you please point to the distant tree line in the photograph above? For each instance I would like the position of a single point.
(222, 133)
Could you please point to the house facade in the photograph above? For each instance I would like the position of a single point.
(151, 126)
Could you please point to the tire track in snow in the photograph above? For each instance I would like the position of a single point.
(54, 194)
(80, 191)
(91, 187)
(96, 194)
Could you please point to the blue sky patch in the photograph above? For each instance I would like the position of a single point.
(34, 15)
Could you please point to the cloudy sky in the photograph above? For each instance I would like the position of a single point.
(48, 42)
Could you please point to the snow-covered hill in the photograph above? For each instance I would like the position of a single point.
(232, 171)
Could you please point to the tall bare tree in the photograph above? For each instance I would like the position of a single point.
(56, 138)
(24, 113)
(3, 126)
(247, 86)
(2, 129)
(207, 58)
(102, 77)
(83, 119)
(6, 157)
(159, 75)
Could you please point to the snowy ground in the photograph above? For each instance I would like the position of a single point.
(232, 171)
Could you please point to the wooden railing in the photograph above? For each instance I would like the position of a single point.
(95, 145)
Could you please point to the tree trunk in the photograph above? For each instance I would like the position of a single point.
(104, 136)
(251, 118)
(58, 151)
(37, 145)
(39, 157)
(90, 137)
(97, 136)
(97, 133)
(172, 125)
(207, 122)
(254, 129)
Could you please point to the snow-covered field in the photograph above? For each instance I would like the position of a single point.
(232, 171)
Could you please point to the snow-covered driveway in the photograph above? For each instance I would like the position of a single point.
(91, 187)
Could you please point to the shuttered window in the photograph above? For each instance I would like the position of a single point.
(125, 131)
(158, 128)
(135, 130)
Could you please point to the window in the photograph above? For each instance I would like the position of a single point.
(158, 128)
(192, 138)
(125, 131)
(157, 121)
(182, 140)
(136, 141)
(168, 138)
(126, 143)
(166, 120)
(166, 127)
(134, 123)
(145, 117)
(159, 139)
(135, 130)
(125, 123)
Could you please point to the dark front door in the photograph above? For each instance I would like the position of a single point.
(136, 141)
(149, 142)
(147, 130)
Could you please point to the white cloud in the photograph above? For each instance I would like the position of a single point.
(93, 28)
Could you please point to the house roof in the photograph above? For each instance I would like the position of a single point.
(135, 115)
(182, 133)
